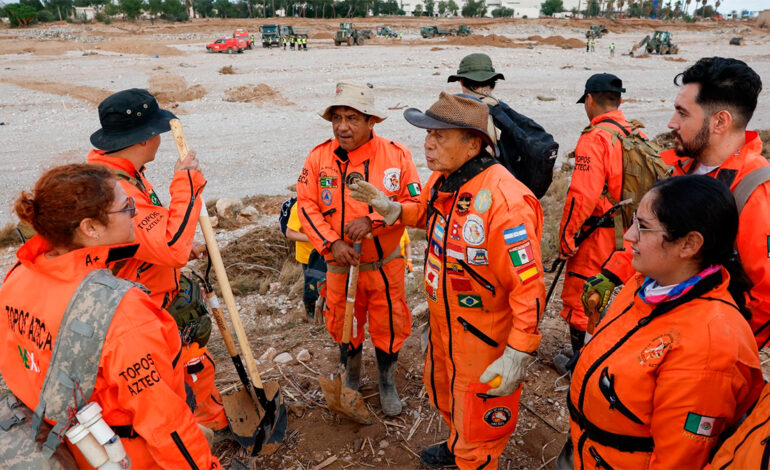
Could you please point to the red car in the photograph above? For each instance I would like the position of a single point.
(241, 33)
(228, 45)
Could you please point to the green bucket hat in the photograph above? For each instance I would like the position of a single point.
(476, 67)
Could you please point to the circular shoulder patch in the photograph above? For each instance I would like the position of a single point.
(392, 179)
(498, 416)
(473, 230)
(483, 201)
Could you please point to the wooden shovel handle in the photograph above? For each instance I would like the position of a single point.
(350, 305)
(219, 317)
(593, 301)
(219, 267)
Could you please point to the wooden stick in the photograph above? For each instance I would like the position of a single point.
(219, 267)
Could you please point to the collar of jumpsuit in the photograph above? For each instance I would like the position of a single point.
(73, 264)
(361, 154)
(99, 157)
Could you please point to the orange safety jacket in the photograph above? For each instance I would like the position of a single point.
(598, 167)
(139, 387)
(748, 447)
(483, 270)
(324, 208)
(753, 241)
(657, 384)
(165, 236)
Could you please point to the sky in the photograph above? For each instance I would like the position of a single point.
(752, 5)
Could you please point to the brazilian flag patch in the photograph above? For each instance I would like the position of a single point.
(155, 200)
(469, 301)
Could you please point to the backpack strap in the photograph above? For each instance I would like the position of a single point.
(122, 175)
(748, 184)
(77, 352)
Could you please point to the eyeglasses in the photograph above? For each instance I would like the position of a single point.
(640, 229)
(130, 208)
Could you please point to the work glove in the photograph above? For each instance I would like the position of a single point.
(603, 284)
(511, 367)
(368, 193)
(409, 265)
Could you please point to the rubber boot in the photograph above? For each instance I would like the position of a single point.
(577, 338)
(386, 364)
(354, 368)
(310, 310)
(437, 455)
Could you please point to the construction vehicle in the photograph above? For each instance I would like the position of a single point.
(347, 34)
(463, 30)
(366, 33)
(296, 32)
(658, 43)
(386, 31)
(271, 35)
(595, 32)
(433, 31)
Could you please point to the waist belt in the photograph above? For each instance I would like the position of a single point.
(620, 442)
(125, 432)
(334, 268)
(609, 223)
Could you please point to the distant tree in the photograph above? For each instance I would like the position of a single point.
(20, 15)
(442, 7)
(60, 8)
(593, 8)
(131, 8)
(203, 8)
(429, 7)
(705, 12)
(474, 8)
(174, 10)
(452, 7)
(502, 12)
(417, 10)
(549, 7)
(154, 7)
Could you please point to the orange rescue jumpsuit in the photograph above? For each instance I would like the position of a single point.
(598, 165)
(165, 238)
(753, 240)
(485, 290)
(139, 387)
(324, 209)
(748, 447)
(656, 385)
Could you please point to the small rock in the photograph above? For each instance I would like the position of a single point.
(228, 208)
(283, 358)
(297, 409)
(420, 310)
(384, 444)
(303, 355)
(214, 221)
(268, 355)
(250, 212)
(520, 442)
(382, 452)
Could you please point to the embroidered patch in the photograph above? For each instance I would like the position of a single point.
(353, 177)
(392, 179)
(438, 232)
(528, 274)
(454, 268)
(434, 262)
(456, 232)
(515, 234)
(328, 181)
(461, 283)
(701, 425)
(477, 256)
(464, 203)
(469, 301)
(455, 251)
(435, 249)
(473, 230)
(28, 359)
(430, 291)
(431, 282)
(414, 189)
(497, 416)
(521, 254)
(483, 201)
(155, 200)
(653, 353)
(326, 197)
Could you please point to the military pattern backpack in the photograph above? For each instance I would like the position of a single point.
(74, 365)
(642, 168)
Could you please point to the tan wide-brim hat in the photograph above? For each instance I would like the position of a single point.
(354, 95)
(454, 112)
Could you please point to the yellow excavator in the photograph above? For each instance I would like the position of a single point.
(658, 43)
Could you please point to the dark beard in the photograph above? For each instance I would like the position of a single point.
(696, 146)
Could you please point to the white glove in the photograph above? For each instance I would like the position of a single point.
(511, 367)
(368, 193)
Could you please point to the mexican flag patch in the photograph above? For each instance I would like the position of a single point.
(706, 426)
(414, 189)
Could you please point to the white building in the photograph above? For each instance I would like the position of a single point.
(521, 8)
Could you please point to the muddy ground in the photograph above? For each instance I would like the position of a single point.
(253, 119)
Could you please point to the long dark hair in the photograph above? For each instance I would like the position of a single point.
(685, 204)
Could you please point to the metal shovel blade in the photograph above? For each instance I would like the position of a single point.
(343, 400)
(254, 428)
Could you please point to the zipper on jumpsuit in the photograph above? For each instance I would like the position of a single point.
(449, 315)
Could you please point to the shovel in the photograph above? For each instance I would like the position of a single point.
(339, 398)
(256, 413)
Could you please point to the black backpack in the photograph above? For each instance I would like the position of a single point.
(526, 149)
(283, 217)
